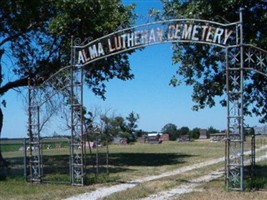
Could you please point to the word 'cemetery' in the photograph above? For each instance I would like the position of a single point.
(134, 39)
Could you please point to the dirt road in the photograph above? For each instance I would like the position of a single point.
(164, 195)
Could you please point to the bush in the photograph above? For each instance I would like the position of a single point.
(3, 173)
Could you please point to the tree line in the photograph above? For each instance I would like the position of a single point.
(35, 38)
(110, 126)
(175, 132)
(106, 128)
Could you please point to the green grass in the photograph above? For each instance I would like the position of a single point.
(126, 163)
(16, 144)
(18, 189)
(158, 185)
(11, 145)
(259, 181)
(215, 190)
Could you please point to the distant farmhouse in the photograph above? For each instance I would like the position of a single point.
(260, 130)
(203, 134)
(184, 138)
(217, 137)
(156, 137)
(119, 140)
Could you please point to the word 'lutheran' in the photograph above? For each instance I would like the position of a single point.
(130, 39)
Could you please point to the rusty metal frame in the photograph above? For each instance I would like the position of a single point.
(78, 154)
(35, 161)
(238, 58)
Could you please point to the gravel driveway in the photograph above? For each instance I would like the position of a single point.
(164, 195)
(106, 191)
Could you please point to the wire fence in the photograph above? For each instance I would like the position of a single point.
(55, 160)
(55, 157)
(14, 154)
(258, 172)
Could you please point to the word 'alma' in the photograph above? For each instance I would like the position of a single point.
(184, 32)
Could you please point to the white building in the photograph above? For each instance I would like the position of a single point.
(260, 130)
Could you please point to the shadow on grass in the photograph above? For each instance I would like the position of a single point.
(258, 179)
(14, 169)
(56, 167)
(146, 159)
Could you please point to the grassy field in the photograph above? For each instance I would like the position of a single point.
(126, 163)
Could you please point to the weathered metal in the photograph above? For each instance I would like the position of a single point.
(35, 161)
(77, 136)
(238, 58)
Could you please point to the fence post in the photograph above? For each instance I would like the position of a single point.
(252, 161)
(25, 159)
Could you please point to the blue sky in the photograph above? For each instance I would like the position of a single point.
(149, 94)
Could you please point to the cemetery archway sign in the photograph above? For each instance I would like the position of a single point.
(238, 57)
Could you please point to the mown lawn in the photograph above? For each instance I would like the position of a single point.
(126, 163)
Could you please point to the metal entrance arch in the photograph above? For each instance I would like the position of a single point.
(227, 36)
(66, 83)
(239, 58)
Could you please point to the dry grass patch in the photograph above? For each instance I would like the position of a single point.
(167, 183)
(19, 190)
(141, 160)
(215, 190)
(126, 163)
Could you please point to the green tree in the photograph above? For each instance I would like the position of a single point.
(132, 119)
(203, 66)
(140, 133)
(114, 126)
(36, 35)
(211, 130)
(183, 131)
(194, 133)
(250, 131)
(170, 129)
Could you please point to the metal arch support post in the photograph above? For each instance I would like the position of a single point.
(235, 125)
(77, 160)
(241, 117)
(234, 151)
(35, 162)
